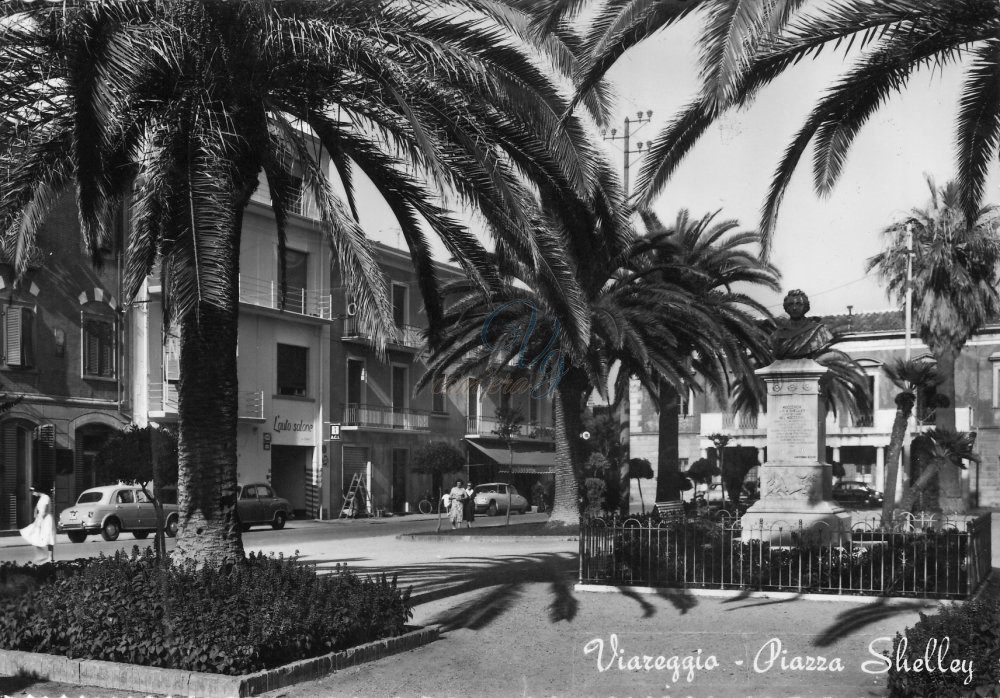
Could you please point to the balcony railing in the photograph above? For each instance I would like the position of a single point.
(741, 421)
(403, 335)
(383, 417)
(303, 205)
(267, 294)
(163, 401)
(488, 426)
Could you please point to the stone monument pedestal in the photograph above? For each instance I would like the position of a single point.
(796, 484)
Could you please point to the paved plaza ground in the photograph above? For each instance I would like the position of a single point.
(513, 625)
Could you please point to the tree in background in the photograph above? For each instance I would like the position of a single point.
(145, 456)
(954, 289)
(909, 377)
(640, 469)
(702, 471)
(946, 450)
(509, 423)
(438, 459)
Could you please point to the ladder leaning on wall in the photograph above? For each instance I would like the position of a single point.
(356, 500)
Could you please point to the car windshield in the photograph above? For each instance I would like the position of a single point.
(482, 489)
(90, 497)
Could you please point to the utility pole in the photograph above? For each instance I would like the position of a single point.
(624, 411)
(641, 119)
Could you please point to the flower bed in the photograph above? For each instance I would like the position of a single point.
(262, 614)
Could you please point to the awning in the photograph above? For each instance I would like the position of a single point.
(525, 460)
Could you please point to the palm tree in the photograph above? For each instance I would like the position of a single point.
(176, 109)
(744, 45)
(954, 286)
(948, 449)
(720, 266)
(910, 377)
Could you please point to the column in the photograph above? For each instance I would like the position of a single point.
(880, 467)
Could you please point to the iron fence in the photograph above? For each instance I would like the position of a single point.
(940, 558)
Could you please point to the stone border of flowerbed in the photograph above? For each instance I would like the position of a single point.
(485, 538)
(134, 677)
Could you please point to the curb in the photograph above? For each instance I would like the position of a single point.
(781, 595)
(133, 677)
(436, 538)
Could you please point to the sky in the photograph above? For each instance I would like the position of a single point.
(821, 244)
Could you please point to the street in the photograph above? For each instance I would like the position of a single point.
(295, 536)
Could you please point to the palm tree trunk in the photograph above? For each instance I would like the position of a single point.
(950, 480)
(904, 408)
(641, 502)
(668, 473)
(567, 405)
(624, 437)
(209, 532)
(926, 477)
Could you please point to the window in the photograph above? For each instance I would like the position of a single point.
(296, 276)
(438, 388)
(19, 334)
(125, 497)
(399, 388)
(249, 492)
(355, 382)
(399, 304)
(293, 370)
(98, 347)
(264, 492)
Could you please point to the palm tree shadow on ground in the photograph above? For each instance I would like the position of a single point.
(500, 583)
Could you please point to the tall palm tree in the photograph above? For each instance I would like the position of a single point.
(179, 108)
(954, 286)
(910, 377)
(718, 264)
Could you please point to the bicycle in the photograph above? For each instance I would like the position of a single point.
(425, 506)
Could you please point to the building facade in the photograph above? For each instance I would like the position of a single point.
(63, 355)
(860, 444)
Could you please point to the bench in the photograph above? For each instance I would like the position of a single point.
(670, 511)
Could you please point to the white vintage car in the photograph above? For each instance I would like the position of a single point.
(112, 509)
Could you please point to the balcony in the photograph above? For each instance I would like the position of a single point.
(267, 294)
(163, 403)
(407, 336)
(303, 205)
(487, 426)
(361, 416)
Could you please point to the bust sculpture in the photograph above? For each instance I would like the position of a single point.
(799, 337)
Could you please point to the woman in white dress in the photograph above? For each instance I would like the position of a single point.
(41, 533)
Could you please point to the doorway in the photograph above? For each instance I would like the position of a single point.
(399, 458)
(290, 473)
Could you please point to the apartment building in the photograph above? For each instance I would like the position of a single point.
(860, 443)
(283, 354)
(382, 420)
(62, 350)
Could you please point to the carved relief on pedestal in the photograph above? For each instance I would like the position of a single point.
(803, 387)
(786, 485)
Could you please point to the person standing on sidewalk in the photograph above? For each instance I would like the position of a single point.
(456, 499)
(41, 533)
(469, 509)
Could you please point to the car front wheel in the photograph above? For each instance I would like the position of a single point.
(279, 521)
(77, 536)
(110, 530)
(171, 528)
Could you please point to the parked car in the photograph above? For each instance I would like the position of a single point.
(112, 509)
(856, 495)
(258, 504)
(494, 498)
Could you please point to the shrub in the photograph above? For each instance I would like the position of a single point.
(244, 618)
(595, 489)
(973, 629)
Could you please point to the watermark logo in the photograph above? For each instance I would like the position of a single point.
(549, 363)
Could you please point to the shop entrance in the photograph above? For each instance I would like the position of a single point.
(290, 474)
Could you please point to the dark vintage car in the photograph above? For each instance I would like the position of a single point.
(112, 509)
(856, 495)
(258, 505)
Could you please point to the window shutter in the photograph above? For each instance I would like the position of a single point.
(91, 348)
(9, 500)
(27, 337)
(107, 342)
(12, 337)
(172, 358)
(46, 435)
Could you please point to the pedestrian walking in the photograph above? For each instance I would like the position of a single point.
(469, 509)
(457, 498)
(40, 533)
